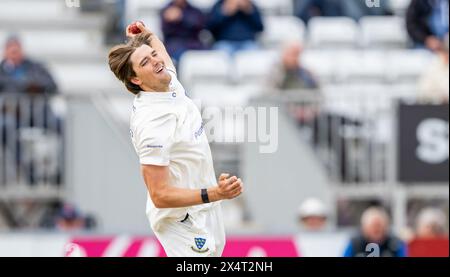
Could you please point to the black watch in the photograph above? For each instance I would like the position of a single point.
(205, 197)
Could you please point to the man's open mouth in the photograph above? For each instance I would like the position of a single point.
(159, 69)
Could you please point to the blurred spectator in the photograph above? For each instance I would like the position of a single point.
(69, 219)
(19, 74)
(22, 77)
(313, 215)
(427, 23)
(375, 229)
(306, 9)
(434, 84)
(431, 224)
(181, 26)
(291, 74)
(116, 18)
(235, 24)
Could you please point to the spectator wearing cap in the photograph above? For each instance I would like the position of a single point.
(234, 25)
(69, 219)
(313, 215)
(375, 231)
(427, 23)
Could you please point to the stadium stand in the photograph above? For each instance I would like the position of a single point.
(363, 69)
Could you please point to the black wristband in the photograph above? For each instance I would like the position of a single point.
(205, 197)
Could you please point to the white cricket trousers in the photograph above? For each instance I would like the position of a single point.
(199, 235)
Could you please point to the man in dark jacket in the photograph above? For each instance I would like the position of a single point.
(374, 239)
(181, 25)
(235, 25)
(427, 23)
(21, 78)
(18, 74)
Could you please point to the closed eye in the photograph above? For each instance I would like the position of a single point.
(144, 62)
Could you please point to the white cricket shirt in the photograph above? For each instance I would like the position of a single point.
(167, 130)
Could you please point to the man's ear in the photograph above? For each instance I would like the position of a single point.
(136, 81)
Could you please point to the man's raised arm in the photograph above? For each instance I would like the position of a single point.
(156, 44)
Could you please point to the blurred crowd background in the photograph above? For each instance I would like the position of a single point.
(361, 87)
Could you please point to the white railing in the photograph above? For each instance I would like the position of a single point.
(31, 142)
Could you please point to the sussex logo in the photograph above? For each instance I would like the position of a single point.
(200, 243)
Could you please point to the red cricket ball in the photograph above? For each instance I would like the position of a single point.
(134, 28)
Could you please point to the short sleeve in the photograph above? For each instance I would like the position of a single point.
(155, 139)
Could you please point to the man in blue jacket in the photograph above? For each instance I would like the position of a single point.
(374, 239)
(235, 25)
(18, 74)
(427, 23)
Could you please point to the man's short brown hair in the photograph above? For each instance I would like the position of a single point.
(120, 62)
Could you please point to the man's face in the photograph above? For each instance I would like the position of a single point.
(291, 57)
(314, 223)
(151, 73)
(375, 229)
(14, 53)
(427, 231)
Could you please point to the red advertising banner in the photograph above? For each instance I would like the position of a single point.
(428, 248)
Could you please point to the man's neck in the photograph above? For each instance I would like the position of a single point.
(162, 88)
(159, 89)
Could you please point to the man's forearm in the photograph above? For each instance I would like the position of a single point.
(158, 45)
(174, 197)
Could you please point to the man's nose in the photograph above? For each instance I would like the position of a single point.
(155, 61)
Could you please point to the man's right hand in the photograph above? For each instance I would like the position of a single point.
(229, 188)
(141, 27)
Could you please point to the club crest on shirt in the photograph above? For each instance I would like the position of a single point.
(199, 243)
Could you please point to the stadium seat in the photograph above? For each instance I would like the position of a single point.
(153, 23)
(335, 32)
(204, 66)
(359, 66)
(255, 66)
(56, 44)
(322, 64)
(84, 78)
(383, 31)
(144, 8)
(33, 9)
(223, 95)
(280, 7)
(227, 102)
(407, 65)
(280, 29)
